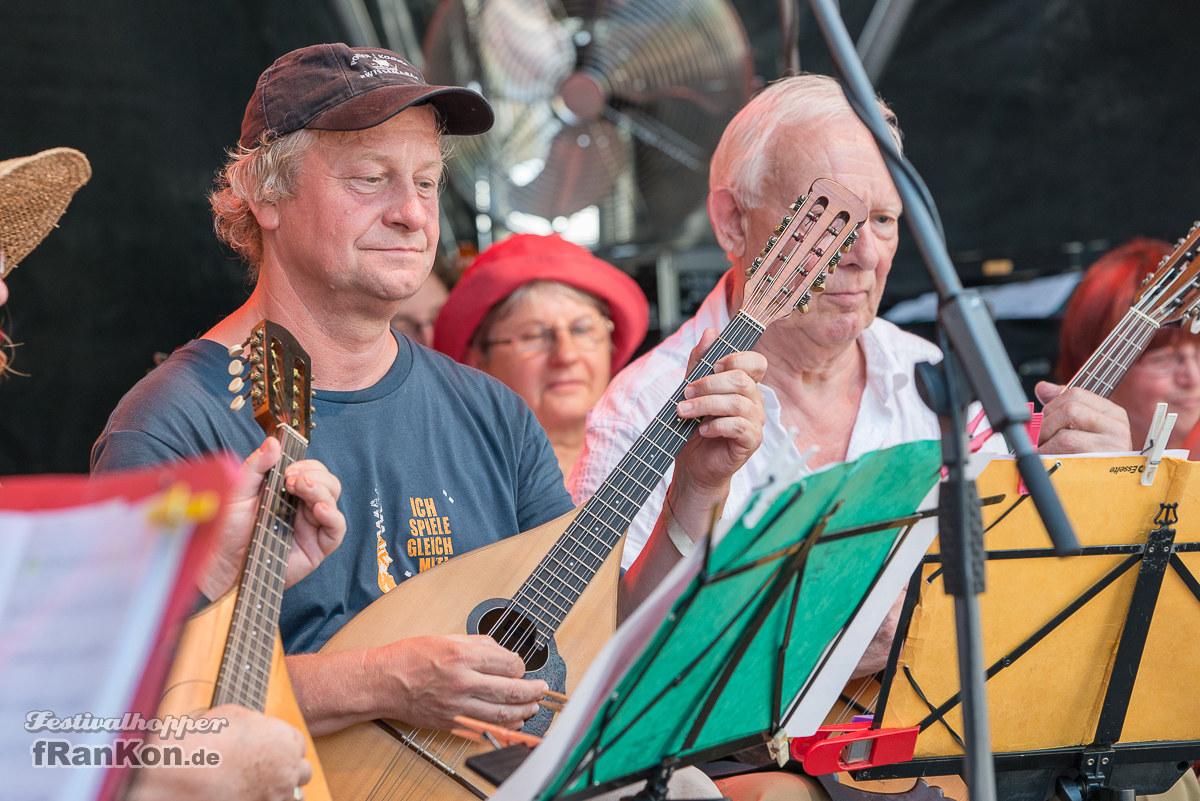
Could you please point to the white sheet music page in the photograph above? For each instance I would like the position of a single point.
(82, 593)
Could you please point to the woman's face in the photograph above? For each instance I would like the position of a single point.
(417, 315)
(553, 350)
(1168, 374)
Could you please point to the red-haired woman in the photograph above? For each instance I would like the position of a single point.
(1168, 371)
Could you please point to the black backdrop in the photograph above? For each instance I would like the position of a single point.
(1036, 123)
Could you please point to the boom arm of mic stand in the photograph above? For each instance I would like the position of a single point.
(967, 324)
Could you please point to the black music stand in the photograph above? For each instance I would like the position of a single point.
(722, 665)
(1091, 677)
(975, 366)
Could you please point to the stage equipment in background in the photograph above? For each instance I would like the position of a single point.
(611, 106)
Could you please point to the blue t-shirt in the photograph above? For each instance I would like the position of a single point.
(434, 459)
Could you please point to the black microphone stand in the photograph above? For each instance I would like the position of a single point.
(975, 366)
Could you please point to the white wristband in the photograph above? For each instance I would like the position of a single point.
(679, 538)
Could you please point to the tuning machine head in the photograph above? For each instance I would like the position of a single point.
(237, 369)
(1192, 317)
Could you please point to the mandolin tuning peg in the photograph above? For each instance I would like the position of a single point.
(235, 386)
(238, 402)
(819, 284)
(236, 350)
(1195, 326)
(236, 367)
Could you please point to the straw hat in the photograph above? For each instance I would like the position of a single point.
(34, 193)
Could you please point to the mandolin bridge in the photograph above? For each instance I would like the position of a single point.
(430, 756)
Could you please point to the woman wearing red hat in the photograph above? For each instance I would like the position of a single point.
(551, 321)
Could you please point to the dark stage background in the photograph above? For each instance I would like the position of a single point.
(1045, 129)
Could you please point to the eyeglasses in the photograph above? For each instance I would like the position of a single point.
(1167, 360)
(587, 333)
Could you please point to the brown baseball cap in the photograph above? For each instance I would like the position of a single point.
(334, 87)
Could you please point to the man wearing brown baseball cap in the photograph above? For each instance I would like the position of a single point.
(332, 87)
(332, 200)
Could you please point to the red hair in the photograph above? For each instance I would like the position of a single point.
(1102, 299)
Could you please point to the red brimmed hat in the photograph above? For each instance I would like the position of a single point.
(333, 87)
(521, 258)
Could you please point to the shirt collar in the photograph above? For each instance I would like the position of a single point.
(884, 367)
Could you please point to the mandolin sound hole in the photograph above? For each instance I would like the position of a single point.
(517, 633)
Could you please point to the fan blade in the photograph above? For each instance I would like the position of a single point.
(611, 103)
(524, 50)
(693, 50)
(581, 164)
(661, 137)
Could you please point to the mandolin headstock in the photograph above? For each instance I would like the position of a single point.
(819, 228)
(279, 379)
(1171, 294)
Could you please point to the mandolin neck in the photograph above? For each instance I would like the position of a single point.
(1106, 367)
(246, 665)
(556, 584)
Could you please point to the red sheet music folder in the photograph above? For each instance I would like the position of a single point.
(55, 519)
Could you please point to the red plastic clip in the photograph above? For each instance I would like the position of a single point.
(822, 752)
(1034, 427)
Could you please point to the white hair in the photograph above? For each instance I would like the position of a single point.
(750, 147)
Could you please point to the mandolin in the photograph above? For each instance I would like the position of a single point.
(549, 594)
(1167, 297)
(246, 665)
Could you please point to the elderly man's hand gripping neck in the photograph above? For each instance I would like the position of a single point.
(729, 407)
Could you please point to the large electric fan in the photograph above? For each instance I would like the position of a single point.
(615, 104)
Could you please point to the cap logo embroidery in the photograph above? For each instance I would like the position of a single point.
(384, 64)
